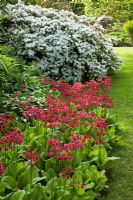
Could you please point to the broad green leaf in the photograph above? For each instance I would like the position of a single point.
(37, 179)
(88, 196)
(20, 166)
(2, 187)
(63, 195)
(100, 154)
(19, 195)
(10, 181)
(37, 192)
(27, 175)
(52, 185)
(49, 174)
(89, 186)
(12, 169)
(50, 164)
(78, 177)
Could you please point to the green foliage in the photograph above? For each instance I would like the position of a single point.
(119, 10)
(18, 195)
(90, 177)
(129, 28)
(62, 4)
(76, 7)
(5, 2)
(100, 156)
(118, 34)
(14, 73)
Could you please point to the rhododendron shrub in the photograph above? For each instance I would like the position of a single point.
(58, 150)
(64, 45)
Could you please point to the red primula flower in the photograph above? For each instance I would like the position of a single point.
(66, 172)
(32, 156)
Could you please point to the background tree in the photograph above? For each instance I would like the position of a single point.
(120, 11)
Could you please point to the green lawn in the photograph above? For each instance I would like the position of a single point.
(121, 187)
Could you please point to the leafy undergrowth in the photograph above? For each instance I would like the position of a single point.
(122, 94)
(55, 138)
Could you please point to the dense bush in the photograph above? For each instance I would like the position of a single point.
(129, 28)
(63, 44)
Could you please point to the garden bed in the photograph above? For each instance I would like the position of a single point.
(55, 145)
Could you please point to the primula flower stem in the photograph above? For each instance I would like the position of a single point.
(99, 156)
(31, 177)
(5, 157)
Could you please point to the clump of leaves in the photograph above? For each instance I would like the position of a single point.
(129, 28)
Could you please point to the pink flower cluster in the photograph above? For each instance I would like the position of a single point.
(72, 113)
(57, 112)
(86, 95)
(100, 124)
(64, 151)
(32, 156)
(73, 104)
(74, 107)
(9, 139)
(4, 120)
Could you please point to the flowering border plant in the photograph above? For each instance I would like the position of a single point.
(58, 150)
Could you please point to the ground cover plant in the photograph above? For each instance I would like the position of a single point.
(65, 46)
(57, 149)
(16, 75)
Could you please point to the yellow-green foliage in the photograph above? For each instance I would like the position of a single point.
(129, 28)
(8, 61)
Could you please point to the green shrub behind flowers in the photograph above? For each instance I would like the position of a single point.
(58, 150)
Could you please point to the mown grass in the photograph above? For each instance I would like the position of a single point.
(121, 186)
